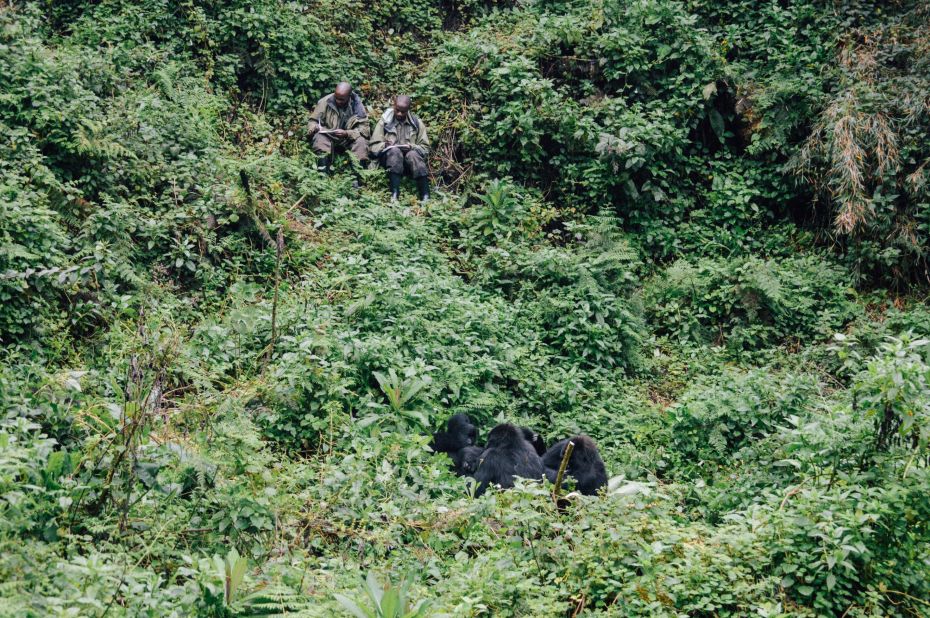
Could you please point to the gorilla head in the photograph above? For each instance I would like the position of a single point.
(585, 465)
(460, 432)
(535, 439)
(506, 455)
(465, 461)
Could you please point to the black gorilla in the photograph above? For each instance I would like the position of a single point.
(460, 432)
(507, 454)
(466, 460)
(585, 465)
(535, 439)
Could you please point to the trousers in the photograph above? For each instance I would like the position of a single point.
(324, 144)
(412, 162)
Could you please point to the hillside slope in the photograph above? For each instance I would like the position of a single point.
(694, 232)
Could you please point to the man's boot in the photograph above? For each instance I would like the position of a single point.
(322, 166)
(395, 185)
(423, 188)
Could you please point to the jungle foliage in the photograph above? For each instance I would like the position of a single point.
(694, 231)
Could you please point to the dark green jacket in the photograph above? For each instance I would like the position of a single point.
(412, 131)
(326, 116)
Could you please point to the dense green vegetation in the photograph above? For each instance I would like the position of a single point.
(696, 231)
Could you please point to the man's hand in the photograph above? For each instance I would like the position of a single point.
(404, 147)
(340, 133)
(314, 129)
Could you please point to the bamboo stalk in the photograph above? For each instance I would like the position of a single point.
(562, 466)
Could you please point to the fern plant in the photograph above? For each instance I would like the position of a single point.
(273, 601)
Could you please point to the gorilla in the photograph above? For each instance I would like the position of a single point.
(535, 439)
(465, 461)
(506, 455)
(585, 465)
(460, 432)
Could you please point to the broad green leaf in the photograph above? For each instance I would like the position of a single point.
(352, 607)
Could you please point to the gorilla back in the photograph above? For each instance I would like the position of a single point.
(585, 465)
(507, 455)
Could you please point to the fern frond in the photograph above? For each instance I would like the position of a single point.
(274, 600)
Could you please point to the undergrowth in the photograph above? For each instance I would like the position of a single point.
(221, 369)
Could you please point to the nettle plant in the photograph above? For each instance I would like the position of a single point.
(894, 391)
(718, 417)
(747, 303)
(494, 215)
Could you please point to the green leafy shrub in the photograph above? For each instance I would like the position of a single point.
(582, 298)
(388, 601)
(306, 399)
(735, 211)
(503, 213)
(31, 275)
(749, 303)
(590, 325)
(556, 95)
(714, 420)
(32, 499)
(836, 548)
(864, 337)
(894, 391)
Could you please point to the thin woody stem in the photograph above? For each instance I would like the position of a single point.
(562, 466)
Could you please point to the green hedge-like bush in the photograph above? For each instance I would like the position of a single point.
(595, 105)
(749, 303)
(714, 420)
